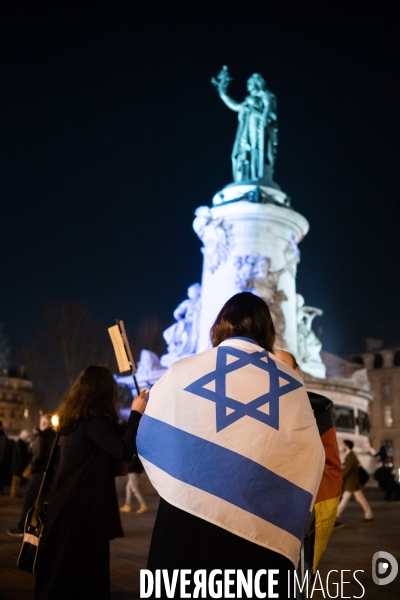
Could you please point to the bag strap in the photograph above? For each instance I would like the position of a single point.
(43, 486)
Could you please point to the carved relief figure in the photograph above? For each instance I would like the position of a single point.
(292, 250)
(308, 345)
(255, 275)
(149, 369)
(215, 235)
(182, 336)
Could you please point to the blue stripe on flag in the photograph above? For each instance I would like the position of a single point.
(225, 474)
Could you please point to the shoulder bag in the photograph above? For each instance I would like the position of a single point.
(34, 521)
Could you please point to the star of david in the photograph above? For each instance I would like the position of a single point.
(228, 410)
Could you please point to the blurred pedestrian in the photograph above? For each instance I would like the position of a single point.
(41, 449)
(352, 485)
(73, 560)
(385, 478)
(3, 456)
(20, 461)
(382, 453)
(135, 468)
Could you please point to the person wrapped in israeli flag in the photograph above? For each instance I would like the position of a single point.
(230, 442)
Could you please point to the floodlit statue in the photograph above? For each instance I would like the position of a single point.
(181, 337)
(255, 147)
(308, 345)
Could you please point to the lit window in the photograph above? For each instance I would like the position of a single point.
(387, 416)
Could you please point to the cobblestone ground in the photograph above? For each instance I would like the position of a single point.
(350, 548)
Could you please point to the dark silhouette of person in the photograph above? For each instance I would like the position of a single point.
(41, 449)
(73, 561)
(385, 478)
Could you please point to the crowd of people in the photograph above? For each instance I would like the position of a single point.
(16, 457)
(207, 518)
(386, 480)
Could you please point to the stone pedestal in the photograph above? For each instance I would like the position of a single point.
(236, 230)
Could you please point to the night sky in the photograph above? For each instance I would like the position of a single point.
(111, 135)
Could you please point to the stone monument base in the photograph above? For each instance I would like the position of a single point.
(251, 191)
(241, 239)
(315, 369)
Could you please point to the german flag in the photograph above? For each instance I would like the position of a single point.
(330, 488)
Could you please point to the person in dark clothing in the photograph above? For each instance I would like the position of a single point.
(20, 461)
(382, 453)
(41, 449)
(385, 479)
(73, 561)
(184, 541)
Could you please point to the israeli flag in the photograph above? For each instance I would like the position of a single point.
(229, 436)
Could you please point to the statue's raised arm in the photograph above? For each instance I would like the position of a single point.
(254, 150)
(221, 82)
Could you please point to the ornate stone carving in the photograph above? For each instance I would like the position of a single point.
(292, 250)
(308, 345)
(254, 275)
(361, 381)
(215, 235)
(182, 336)
(149, 369)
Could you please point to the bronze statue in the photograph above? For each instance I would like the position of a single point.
(255, 147)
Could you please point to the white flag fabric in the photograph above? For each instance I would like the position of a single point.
(229, 436)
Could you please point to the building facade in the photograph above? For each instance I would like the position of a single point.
(16, 396)
(348, 386)
(383, 367)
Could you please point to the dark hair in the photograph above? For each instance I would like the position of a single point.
(349, 444)
(93, 393)
(244, 315)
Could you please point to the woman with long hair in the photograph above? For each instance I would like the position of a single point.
(230, 442)
(73, 561)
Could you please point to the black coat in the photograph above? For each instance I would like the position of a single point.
(384, 477)
(135, 465)
(20, 459)
(183, 541)
(42, 447)
(74, 554)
